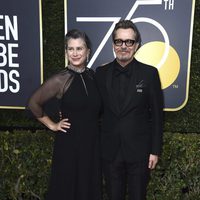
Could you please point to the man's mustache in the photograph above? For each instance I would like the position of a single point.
(123, 50)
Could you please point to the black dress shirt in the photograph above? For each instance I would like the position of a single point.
(120, 81)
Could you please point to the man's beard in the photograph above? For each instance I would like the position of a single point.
(124, 58)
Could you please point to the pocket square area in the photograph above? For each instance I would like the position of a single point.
(139, 90)
(141, 84)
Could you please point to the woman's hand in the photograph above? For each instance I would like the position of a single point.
(62, 125)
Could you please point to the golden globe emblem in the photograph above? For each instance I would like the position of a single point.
(151, 53)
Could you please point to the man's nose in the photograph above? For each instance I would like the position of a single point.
(123, 47)
(123, 44)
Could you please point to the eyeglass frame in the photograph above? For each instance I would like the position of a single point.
(125, 42)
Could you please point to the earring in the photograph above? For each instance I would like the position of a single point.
(87, 58)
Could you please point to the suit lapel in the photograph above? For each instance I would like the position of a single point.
(112, 97)
(131, 92)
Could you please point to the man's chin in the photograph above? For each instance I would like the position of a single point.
(124, 59)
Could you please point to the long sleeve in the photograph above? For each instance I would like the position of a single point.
(156, 105)
(53, 87)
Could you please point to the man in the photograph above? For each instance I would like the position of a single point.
(131, 131)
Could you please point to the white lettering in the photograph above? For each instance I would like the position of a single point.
(12, 55)
(3, 81)
(1, 28)
(169, 4)
(9, 28)
(8, 81)
(3, 57)
(8, 55)
(114, 20)
(13, 80)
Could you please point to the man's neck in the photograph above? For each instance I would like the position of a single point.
(125, 63)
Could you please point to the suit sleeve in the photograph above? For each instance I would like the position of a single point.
(156, 107)
(98, 83)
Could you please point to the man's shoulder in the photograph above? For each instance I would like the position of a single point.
(103, 67)
(146, 67)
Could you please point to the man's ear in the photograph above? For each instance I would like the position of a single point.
(136, 46)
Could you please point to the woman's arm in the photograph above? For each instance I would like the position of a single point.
(50, 89)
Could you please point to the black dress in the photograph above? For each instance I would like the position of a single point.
(75, 165)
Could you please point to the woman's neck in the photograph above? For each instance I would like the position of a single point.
(76, 69)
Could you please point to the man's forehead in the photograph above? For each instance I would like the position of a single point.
(125, 32)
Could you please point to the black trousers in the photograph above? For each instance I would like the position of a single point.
(121, 176)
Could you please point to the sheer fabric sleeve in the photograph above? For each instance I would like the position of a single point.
(53, 87)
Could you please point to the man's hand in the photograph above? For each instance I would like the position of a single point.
(153, 159)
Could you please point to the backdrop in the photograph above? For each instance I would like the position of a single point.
(166, 29)
(20, 51)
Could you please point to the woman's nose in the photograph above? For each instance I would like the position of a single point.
(75, 52)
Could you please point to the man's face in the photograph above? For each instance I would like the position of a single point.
(125, 51)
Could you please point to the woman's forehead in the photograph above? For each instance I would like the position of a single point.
(76, 42)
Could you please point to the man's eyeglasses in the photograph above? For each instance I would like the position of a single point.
(128, 43)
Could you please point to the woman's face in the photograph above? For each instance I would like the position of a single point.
(77, 52)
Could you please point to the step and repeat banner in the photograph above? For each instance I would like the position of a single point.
(166, 28)
(20, 51)
(165, 25)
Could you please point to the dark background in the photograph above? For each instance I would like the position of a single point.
(185, 120)
(25, 156)
(175, 22)
(28, 51)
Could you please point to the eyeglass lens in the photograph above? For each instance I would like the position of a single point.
(128, 43)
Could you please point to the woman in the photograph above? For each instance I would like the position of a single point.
(75, 167)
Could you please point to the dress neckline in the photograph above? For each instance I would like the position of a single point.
(76, 69)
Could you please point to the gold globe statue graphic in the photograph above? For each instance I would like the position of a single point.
(151, 53)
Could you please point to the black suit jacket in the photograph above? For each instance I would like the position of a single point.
(137, 126)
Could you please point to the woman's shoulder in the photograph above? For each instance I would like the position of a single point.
(65, 72)
(60, 76)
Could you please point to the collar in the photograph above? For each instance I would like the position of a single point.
(118, 69)
(76, 69)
